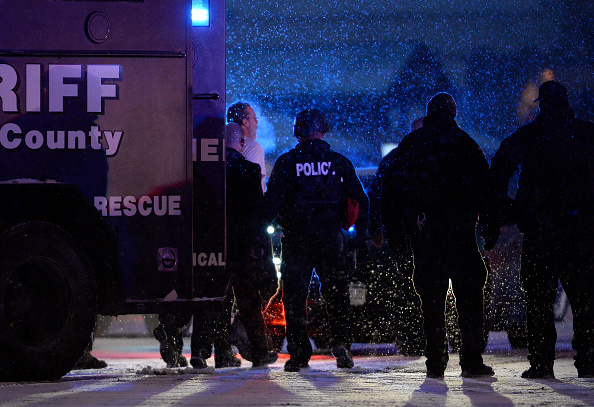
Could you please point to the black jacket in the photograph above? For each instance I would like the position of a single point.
(374, 192)
(438, 171)
(308, 188)
(554, 154)
(243, 198)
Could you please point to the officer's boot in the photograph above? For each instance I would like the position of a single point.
(170, 347)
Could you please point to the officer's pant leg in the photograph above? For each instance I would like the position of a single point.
(249, 303)
(410, 326)
(540, 287)
(296, 272)
(577, 281)
(335, 290)
(173, 325)
(432, 290)
(221, 327)
(470, 306)
(203, 332)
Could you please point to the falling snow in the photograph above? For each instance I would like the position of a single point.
(372, 66)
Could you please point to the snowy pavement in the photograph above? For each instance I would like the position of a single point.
(137, 377)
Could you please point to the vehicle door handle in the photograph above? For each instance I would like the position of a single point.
(205, 96)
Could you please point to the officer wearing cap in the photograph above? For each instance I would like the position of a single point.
(433, 191)
(307, 192)
(554, 210)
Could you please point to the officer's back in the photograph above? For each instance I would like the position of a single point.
(555, 151)
(309, 184)
(438, 172)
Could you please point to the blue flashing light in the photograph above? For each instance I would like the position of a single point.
(200, 13)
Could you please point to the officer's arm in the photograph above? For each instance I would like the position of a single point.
(374, 193)
(375, 208)
(506, 161)
(478, 179)
(355, 191)
(396, 191)
(394, 200)
(482, 199)
(252, 199)
(276, 192)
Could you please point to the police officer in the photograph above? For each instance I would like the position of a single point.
(433, 191)
(307, 194)
(410, 338)
(245, 263)
(245, 258)
(554, 210)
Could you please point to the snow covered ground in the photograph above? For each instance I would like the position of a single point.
(137, 377)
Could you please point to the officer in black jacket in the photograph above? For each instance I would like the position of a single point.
(250, 277)
(554, 208)
(245, 256)
(433, 192)
(307, 193)
(410, 338)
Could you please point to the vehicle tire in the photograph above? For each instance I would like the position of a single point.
(48, 302)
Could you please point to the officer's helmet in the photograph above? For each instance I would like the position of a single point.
(310, 121)
(442, 102)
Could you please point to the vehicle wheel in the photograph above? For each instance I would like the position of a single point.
(48, 302)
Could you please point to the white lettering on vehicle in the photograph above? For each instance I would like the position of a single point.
(209, 149)
(11, 137)
(315, 168)
(208, 259)
(63, 82)
(144, 206)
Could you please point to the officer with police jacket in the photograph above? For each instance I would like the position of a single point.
(554, 209)
(307, 194)
(433, 192)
